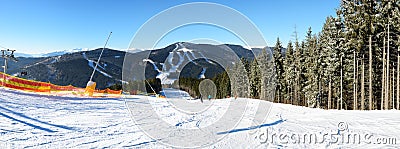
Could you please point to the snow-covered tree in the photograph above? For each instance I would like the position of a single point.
(311, 66)
(268, 75)
(240, 82)
(255, 79)
(330, 60)
(289, 73)
(278, 59)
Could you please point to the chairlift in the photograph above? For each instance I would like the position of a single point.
(6, 55)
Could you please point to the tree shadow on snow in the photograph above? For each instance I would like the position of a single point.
(33, 119)
(252, 127)
(26, 123)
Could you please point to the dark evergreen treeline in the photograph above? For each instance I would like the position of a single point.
(143, 87)
(250, 78)
(191, 85)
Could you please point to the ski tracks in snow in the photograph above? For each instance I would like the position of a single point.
(40, 121)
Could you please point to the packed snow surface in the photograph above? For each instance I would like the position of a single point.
(29, 120)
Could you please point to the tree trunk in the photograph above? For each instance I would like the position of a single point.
(319, 91)
(398, 77)
(330, 93)
(383, 75)
(341, 82)
(393, 87)
(388, 72)
(354, 82)
(362, 84)
(295, 90)
(370, 74)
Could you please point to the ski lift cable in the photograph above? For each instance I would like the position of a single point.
(98, 60)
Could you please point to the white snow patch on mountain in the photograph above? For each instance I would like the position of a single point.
(151, 62)
(55, 59)
(174, 67)
(163, 76)
(185, 50)
(202, 76)
(92, 64)
(188, 57)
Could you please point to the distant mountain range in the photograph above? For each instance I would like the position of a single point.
(75, 67)
(57, 53)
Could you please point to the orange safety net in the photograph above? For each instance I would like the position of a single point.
(37, 86)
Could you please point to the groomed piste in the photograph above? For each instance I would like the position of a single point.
(52, 89)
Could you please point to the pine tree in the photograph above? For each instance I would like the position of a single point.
(278, 58)
(240, 82)
(302, 79)
(289, 72)
(311, 54)
(223, 85)
(299, 73)
(255, 79)
(268, 75)
(330, 58)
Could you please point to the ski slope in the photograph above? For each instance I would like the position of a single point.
(40, 121)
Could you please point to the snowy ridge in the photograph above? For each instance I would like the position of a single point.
(51, 54)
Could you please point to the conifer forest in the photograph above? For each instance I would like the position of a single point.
(352, 64)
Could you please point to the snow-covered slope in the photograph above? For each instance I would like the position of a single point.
(177, 59)
(177, 56)
(40, 121)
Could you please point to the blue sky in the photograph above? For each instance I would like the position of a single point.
(41, 26)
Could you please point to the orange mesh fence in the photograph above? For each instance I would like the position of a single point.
(23, 84)
(100, 91)
(62, 88)
(37, 86)
(112, 91)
